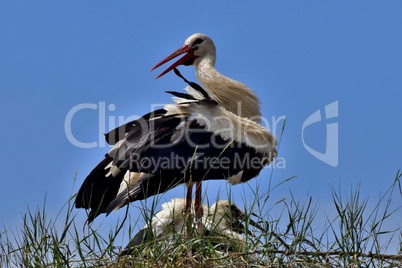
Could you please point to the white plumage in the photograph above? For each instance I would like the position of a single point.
(201, 128)
(223, 221)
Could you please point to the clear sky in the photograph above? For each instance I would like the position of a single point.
(298, 56)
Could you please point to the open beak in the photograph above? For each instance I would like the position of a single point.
(186, 59)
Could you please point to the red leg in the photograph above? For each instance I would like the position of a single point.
(189, 197)
(188, 216)
(198, 205)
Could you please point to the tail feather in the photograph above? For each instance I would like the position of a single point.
(98, 189)
(147, 185)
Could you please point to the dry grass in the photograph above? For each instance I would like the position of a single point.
(354, 238)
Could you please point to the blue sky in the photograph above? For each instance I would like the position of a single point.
(298, 56)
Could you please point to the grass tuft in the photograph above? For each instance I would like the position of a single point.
(354, 238)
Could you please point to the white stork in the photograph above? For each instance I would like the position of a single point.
(234, 96)
(199, 50)
(223, 221)
(207, 134)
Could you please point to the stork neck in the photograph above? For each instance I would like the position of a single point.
(231, 94)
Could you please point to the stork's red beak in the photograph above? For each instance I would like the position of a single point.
(186, 59)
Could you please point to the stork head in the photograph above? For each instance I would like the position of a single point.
(197, 47)
(234, 215)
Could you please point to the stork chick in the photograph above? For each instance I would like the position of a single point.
(222, 222)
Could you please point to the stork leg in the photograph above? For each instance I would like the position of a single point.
(188, 216)
(189, 197)
(198, 206)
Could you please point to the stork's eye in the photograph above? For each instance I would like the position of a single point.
(198, 41)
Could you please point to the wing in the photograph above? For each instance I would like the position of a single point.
(193, 140)
(117, 134)
(98, 189)
(106, 180)
(204, 144)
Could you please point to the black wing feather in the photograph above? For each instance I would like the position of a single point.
(192, 154)
(181, 95)
(97, 190)
(170, 162)
(115, 135)
(193, 84)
